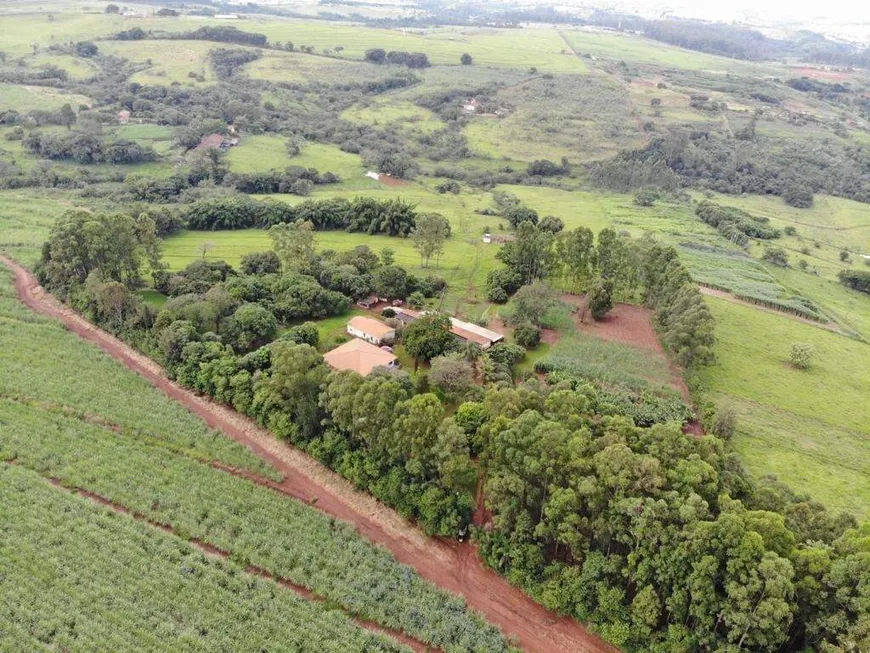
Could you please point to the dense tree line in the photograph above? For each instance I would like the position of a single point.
(856, 279)
(736, 224)
(226, 61)
(222, 34)
(393, 217)
(794, 171)
(398, 57)
(84, 147)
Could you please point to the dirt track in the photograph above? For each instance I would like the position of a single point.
(450, 565)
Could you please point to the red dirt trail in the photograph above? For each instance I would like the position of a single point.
(450, 565)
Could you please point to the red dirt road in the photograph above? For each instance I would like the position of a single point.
(450, 565)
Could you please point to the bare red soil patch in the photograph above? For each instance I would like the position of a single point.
(820, 73)
(453, 566)
(389, 180)
(630, 324)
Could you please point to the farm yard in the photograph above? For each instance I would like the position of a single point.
(355, 327)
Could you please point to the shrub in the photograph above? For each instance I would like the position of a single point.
(600, 299)
(775, 256)
(416, 299)
(527, 335)
(724, 422)
(801, 355)
(645, 197)
(303, 334)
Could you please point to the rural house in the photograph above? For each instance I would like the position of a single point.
(359, 356)
(370, 330)
(467, 331)
(123, 117)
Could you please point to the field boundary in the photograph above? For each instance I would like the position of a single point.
(452, 566)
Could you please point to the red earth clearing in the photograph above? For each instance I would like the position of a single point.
(451, 565)
(630, 324)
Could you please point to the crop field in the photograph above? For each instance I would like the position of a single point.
(256, 525)
(79, 577)
(799, 425)
(25, 219)
(48, 369)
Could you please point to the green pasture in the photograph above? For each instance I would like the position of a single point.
(25, 219)
(28, 98)
(299, 68)
(542, 48)
(811, 428)
(165, 62)
(392, 111)
(76, 67)
(260, 153)
(640, 51)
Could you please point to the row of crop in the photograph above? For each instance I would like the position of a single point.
(76, 577)
(257, 525)
(40, 359)
(796, 305)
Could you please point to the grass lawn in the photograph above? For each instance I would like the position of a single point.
(811, 428)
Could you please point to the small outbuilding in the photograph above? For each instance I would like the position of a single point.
(123, 117)
(360, 357)
(370, 330)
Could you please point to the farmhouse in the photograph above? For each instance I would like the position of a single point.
(370, 330)
(467, 331)
(359, 356)
(216, 141)
(123, 117)
(471, 105)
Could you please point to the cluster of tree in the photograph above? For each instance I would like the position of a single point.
(295, 180)
(45, 75)
(64, 116)
(398, 57)
(221, 34)
(226, 61)
(660, 539)
(823, 89)
(87, 147)
(685, 323)
(702, 158)
(735, 41)
(736, 224)
(546, 168)
(856, 279)
(393, 217)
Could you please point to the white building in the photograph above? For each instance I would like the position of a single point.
(370, 330)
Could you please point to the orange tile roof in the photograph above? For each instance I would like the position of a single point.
(370, 326)
(358, 355)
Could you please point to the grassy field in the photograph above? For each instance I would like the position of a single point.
(25, 219)
(170, 61)
(260, 153)
(28, 98)
(84, 578)
(392, 111)
(810, 428)
(640, 51)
